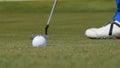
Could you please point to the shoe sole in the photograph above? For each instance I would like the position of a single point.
(117, 37)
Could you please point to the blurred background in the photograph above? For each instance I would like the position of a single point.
(63, 6)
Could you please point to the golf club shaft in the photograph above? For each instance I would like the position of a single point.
(49, 19)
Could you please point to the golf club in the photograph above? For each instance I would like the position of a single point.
(48, 22)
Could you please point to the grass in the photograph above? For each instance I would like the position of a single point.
(63, 6)
(68, 46)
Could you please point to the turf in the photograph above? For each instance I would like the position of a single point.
(68, 46)
(63, 6)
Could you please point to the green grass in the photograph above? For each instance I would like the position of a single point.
(68, 46)
(63, 6)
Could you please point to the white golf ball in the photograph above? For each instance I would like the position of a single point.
(39, 41)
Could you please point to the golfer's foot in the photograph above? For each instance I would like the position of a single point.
(111, 30)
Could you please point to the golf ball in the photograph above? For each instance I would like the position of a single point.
(38, 41)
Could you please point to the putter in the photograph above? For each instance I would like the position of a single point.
(48, 22)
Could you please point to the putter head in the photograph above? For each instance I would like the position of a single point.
(45, 36)
(33, 36)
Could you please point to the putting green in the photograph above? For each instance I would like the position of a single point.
(68, 46)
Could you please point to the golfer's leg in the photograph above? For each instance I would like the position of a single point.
(117, 16)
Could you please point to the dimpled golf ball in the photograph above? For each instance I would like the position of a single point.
(38, 41)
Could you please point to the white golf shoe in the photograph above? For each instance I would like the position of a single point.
(111, 30)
